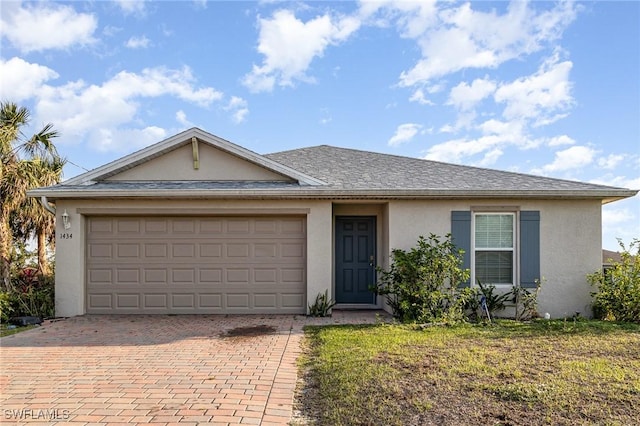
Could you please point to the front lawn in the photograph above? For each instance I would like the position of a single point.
(544, 372)
(7, 330)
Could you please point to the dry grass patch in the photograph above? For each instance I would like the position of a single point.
(544, 372)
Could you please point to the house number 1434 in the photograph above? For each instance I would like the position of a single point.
(66, 236)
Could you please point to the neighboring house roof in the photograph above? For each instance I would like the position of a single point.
(327, 172)
(609, 257)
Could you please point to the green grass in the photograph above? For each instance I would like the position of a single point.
(5, 331)
(544, 372)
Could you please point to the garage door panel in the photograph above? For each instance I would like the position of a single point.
(211, 250)
(211, 275)
(196, 265)
(155, 300)
(128, 226)
(155, 276)
(101, 301)
(210, 301)
(292, 300)
(127, 301)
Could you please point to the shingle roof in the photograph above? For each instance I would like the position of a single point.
(338, 173)
(351, 169)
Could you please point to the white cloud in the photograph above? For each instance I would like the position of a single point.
(620, 181)
(22, 80)
(42, 26)
(571, 158)
(613, 216)
(419, 97)
(239, 109)
(130, 7)
(181, 118)
(200, 4)
(110, 30)
(404, 133)
(412, 18)
(289, 45)
(538, 96)
(465, 96)
(138, 42)
(620, 220)
(97, 111)
(125, 140)
(560, 140)
(463, 38)
(611, 161)
(453, 151)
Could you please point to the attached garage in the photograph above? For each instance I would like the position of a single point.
(196, 264)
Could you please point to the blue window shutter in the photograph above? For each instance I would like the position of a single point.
(461, 236)
(529, 248)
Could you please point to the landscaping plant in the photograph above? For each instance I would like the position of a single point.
(618, 288)
(525, 301)
(322, 306)
(493, 301)
(422, 284)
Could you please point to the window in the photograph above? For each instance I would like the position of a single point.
(526, 224)
(493, 248)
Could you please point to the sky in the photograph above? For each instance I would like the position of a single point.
(541, 87)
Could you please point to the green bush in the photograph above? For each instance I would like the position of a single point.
(618, 288)
(422, 283)
(6, 307)
(32, 295)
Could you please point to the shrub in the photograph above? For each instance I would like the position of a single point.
(493, 301)
(33, 294)
(422, 283)
(618, 288)
(526, 301)
(6, 307)
(322, 306)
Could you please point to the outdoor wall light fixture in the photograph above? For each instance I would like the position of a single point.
(66, 222)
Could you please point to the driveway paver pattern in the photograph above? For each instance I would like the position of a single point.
(158, 370)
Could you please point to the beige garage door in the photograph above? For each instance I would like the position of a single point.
(196, 265)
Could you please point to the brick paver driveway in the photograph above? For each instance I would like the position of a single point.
(156, 369)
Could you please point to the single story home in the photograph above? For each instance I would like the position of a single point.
(196, 224)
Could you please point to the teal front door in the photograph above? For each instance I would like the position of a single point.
(355, 259)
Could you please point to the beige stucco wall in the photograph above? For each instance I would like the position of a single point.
(570, 243)
(570, 239)
(215, 164)
(70, 248)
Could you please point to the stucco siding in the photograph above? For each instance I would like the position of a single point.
(214, 164)
(570, 248)
(570, 239)
(570, 243)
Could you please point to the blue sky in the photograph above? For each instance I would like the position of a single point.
(548, 88)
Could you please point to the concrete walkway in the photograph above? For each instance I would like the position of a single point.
(158, 370)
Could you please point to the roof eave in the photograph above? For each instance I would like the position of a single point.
(306, 192)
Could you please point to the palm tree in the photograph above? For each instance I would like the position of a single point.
(41, 165)
(30, 218)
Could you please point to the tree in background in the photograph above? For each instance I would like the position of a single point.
(26, 163)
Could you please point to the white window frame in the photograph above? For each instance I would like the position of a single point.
(513, 249)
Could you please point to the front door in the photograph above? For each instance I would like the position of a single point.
(355, 259)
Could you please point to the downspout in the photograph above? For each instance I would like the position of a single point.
(46, 205)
